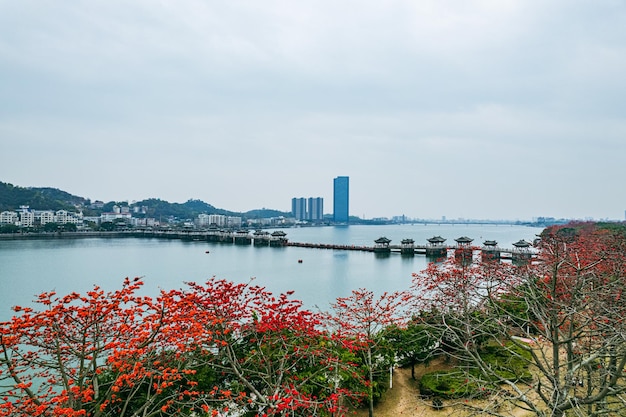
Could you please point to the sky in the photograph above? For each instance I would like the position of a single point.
(487, 109)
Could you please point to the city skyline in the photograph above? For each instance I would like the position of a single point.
(494, 110)
(303, 203)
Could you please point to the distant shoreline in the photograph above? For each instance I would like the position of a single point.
(174, 234)
(66, 235)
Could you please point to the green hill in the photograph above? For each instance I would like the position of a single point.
(12, 197)
(46, 198)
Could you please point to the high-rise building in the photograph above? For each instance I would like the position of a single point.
(341, 199)
(307, 209)
(315, 209)
(298, 208)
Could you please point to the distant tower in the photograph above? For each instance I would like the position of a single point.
(315, 208)
(298, 208)
(341, 199)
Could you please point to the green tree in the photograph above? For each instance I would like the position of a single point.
(414, 344)
(9, 228)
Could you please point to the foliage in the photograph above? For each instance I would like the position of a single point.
(360, 321)
(208, 348)
(412, 344)
(463, 383)
(268, 350)
(192, 208)
(448, 384)
(46, 198)
(9, 228)
(562, 315)
(52, 359)
(509, 362)
(12, 197)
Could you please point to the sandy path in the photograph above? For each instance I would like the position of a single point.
(403, 399)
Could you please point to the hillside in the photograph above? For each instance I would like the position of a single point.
(12, 197)
(46, 198)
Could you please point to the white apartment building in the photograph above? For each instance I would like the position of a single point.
(27, 218)
(203, 220)
(218, 219)
(8, 217)
(46, 217)
(234, 222)
(64, 217)
(112, 216)
(61, 217)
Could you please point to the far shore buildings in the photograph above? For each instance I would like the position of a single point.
(218, 220)
(135, 217)
(25, 217)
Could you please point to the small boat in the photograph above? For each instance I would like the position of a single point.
(206, 251)
(299, 261)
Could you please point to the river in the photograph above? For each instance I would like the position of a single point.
(318, 276)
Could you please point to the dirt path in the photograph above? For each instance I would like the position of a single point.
(404, 400)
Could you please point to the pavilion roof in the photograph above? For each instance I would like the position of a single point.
(464, 239)
(436, 239)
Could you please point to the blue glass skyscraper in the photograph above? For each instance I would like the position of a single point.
(341, 199)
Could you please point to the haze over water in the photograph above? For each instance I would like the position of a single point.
(29, 267)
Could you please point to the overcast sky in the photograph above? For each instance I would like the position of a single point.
(500, 109)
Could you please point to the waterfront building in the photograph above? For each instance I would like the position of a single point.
(114, 215)
(27, 218)
(298, 208)
(233, 221)
(341, 199)
(217, 219)
(46, 217)
(62, 217)
(8, 217)
(315, 209)
(203, 220)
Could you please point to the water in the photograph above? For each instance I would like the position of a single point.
(29, 267)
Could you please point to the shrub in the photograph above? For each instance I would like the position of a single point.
(447, 384)
(508, 362)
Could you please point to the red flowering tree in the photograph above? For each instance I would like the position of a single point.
(209, 349)
(562, 314)
(270, 355)
(360, 320)
(98, 354)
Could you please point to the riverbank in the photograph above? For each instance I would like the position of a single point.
(66, 235)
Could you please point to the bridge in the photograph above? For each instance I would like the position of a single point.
(435, 248)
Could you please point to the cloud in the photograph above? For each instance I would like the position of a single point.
(244, 103)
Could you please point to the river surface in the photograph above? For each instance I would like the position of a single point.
(29, 267)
